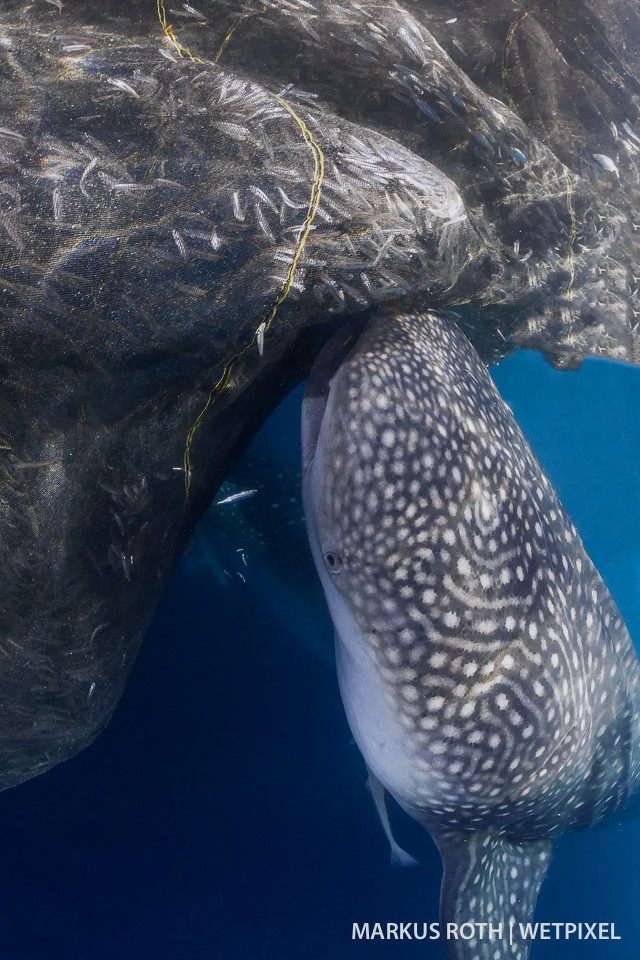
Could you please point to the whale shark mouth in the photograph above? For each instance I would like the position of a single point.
(326, 364)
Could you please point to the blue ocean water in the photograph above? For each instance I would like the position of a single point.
(224, 814)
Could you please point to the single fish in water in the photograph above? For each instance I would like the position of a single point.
(486, 673)
(236, 497)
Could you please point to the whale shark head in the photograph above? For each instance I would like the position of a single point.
(485, 671)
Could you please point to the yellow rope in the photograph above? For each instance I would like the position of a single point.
(232, 30)
(573, 235)
(312, 209)
(505, 53)
(263, 328)
(570, 208)
(167, 29)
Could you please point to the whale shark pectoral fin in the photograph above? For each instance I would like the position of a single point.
(399, 857)
(490, 879)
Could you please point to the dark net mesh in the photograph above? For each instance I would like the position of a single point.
(192, 199)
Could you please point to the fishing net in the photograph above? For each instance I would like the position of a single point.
(191, 199)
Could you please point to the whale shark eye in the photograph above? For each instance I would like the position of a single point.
(333, 562)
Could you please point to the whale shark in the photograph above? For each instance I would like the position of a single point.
(486, 673)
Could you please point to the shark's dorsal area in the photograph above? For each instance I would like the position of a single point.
(486, 673)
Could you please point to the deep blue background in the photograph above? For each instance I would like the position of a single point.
(224, 812)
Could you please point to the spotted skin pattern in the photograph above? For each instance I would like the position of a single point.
(486, 672)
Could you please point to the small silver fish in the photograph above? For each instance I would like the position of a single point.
(236, 497)
(4, 132)
(123, 85)
(606, 163)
